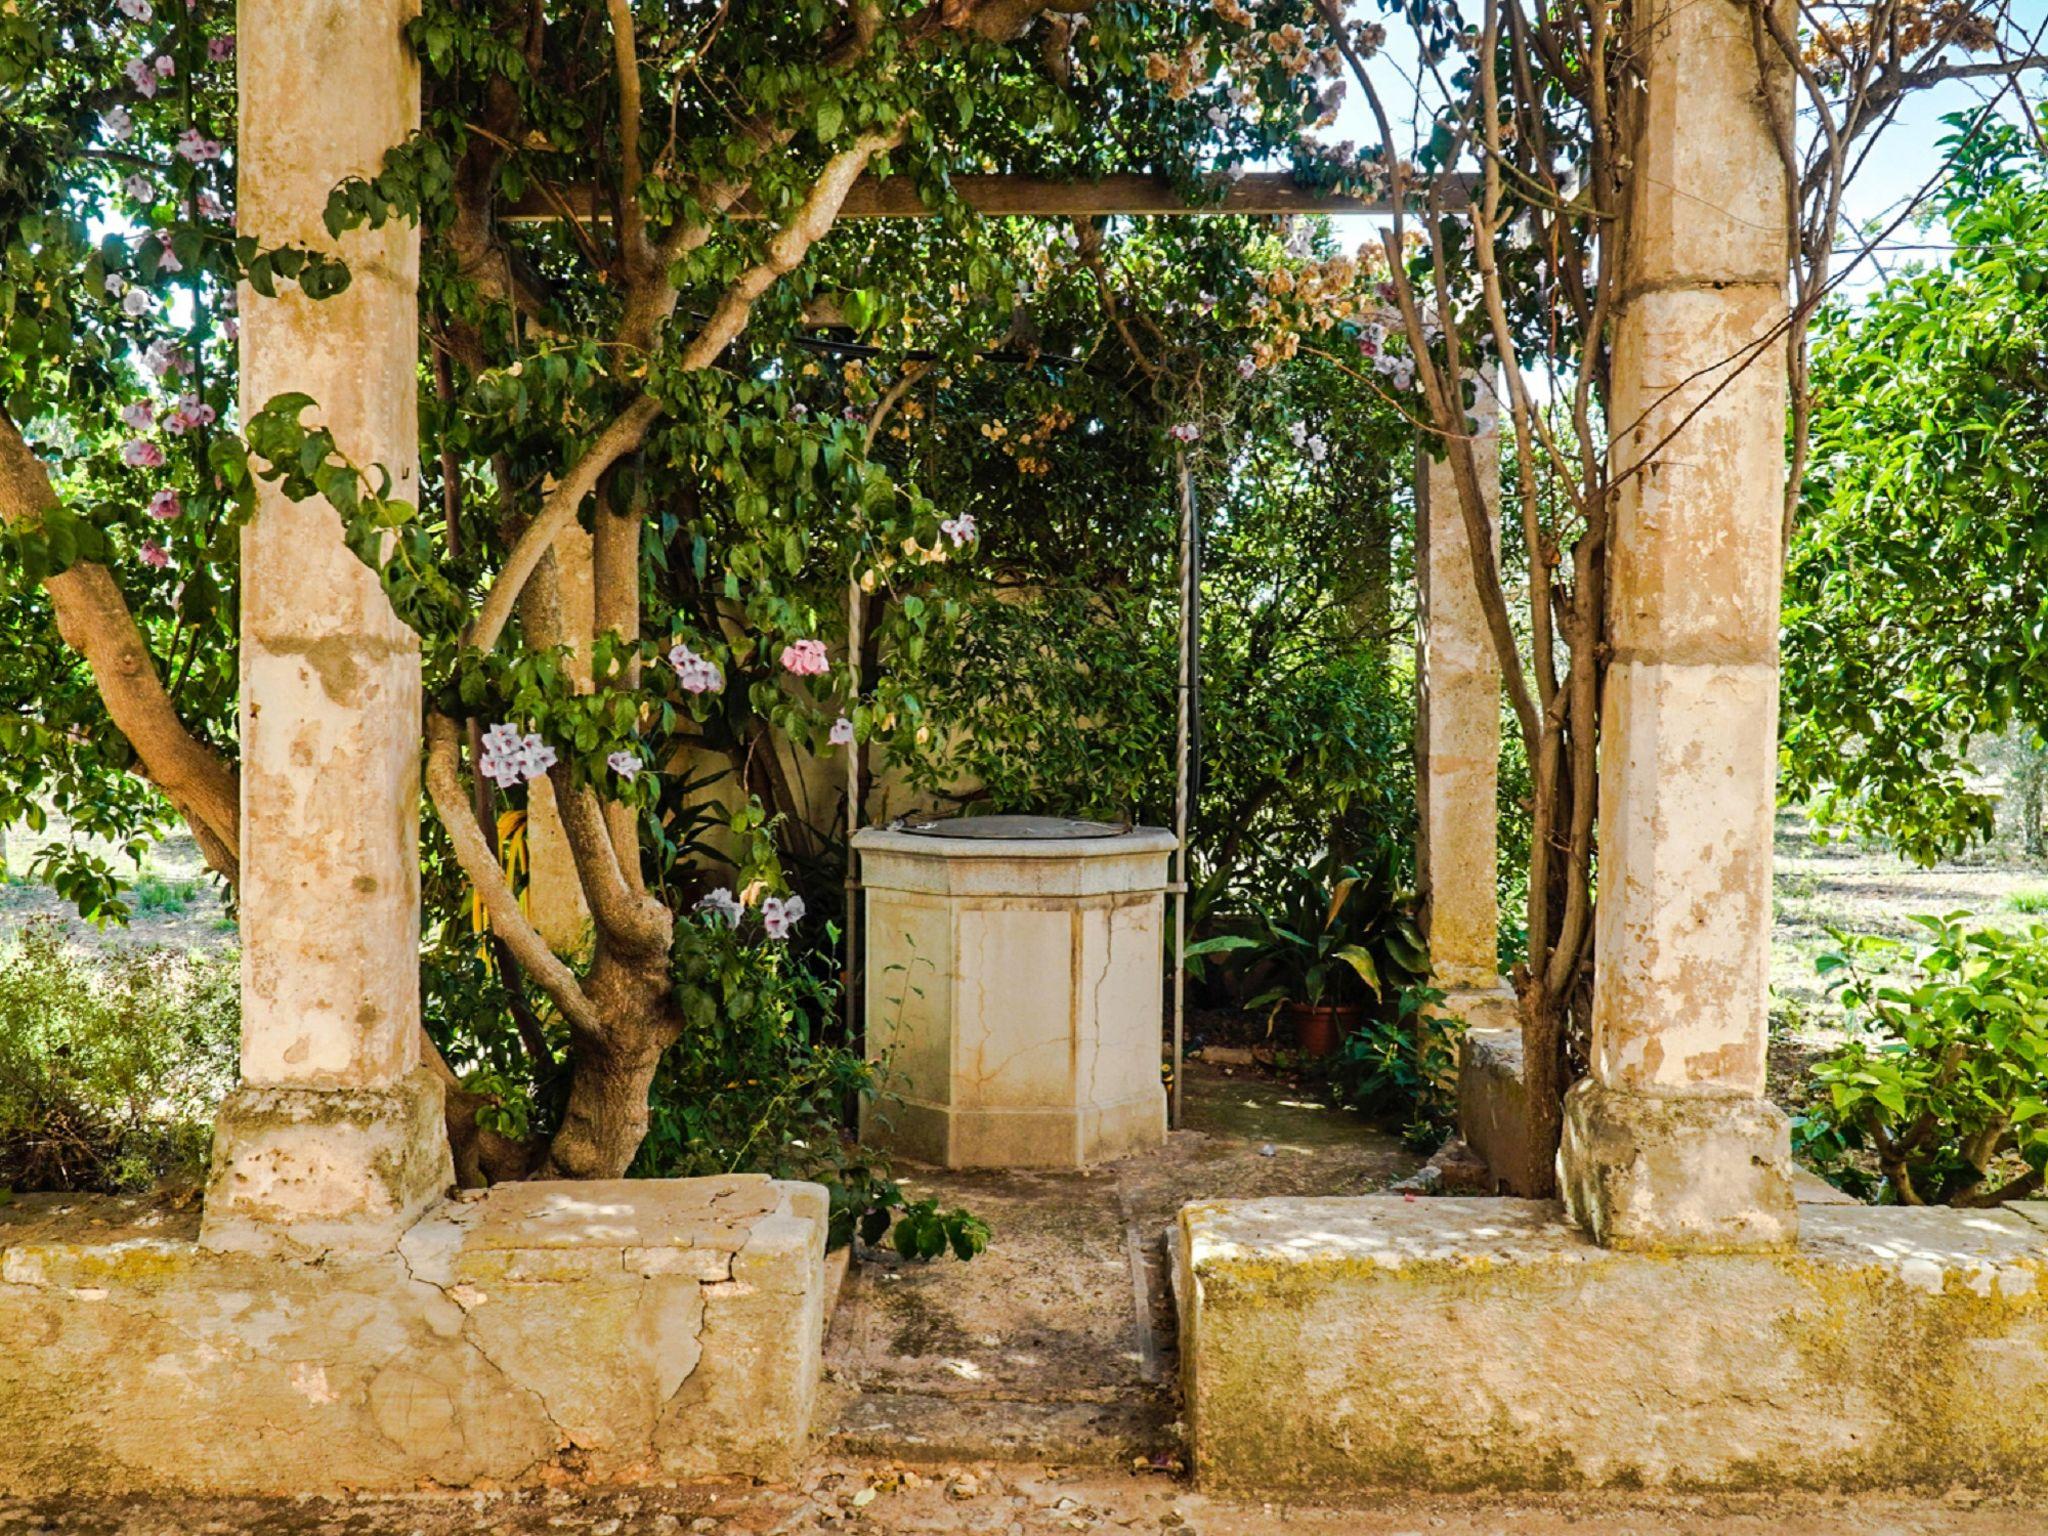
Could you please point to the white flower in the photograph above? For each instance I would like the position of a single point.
(1298, 432)
(1318, 450)
(503, 761)
(1185, 432)
(134, 10)
(536, 757)
(842, 732)
(117, 122)
(779, 916)
(959, 529)
(624, 764)
(696, 674)
(721, 903)
(135, 302)
(138, 187)
(1247, 366)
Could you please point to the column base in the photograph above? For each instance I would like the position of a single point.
(1698, 1175)
(311, 1169)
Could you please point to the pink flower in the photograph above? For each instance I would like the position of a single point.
(138, 414)
(509, 758)
(139, 187)
(805, 658)
(153, 554)
(164, 505)
(138, 453)
(1247, 366)
(779, 916)
(163, 358)
(168, 261)
(221, 49)
(141, 78)
(1184, 432)
(696, 674)
(191, 412)
(842, 732)
(624, 764)
(196, 147)
(211, 207)
(165, 65)
(134, 10)
(959, 529)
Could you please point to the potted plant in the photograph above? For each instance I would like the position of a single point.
(1336, 939)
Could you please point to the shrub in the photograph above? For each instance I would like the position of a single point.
(110, 1065)
(1402, 1066)
(1950, 1097)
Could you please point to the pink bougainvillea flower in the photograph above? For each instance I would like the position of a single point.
(959, 529)
(779, 916)
(164, 505)
(696, 674)
(221, 49)
(842, 732)
(138, 414)
(117, 122)
(153, 554)
(805, 658)
(192, 146)
(625, 764)
(137, 453)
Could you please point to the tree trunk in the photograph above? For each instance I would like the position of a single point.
(611, 1070)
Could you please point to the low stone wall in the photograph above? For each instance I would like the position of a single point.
(604, 1330)
(1332, 1345)
(1493, 1101)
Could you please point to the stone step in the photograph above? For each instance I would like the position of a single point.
(929, 1427)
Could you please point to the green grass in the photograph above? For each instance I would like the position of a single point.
(153, 893)
(2028, 901)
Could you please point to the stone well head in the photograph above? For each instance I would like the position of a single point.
(1014, 988)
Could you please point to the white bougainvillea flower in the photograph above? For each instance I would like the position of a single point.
(164, 505)
(778, 917)
(842, 732)
(722, 904)
(805, 658)
(154, 554)
(117, 122)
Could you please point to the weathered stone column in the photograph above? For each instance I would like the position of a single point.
(1457, 724)
(1669, 1143)
(334, 1138)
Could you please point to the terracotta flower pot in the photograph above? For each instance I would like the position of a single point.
(1320, 1029)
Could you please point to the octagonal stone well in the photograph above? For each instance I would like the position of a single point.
(1013, 986)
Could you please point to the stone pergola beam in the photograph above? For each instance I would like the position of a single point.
(334, 1138)
(1669, 1142)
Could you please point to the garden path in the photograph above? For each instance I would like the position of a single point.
(1057, 1344)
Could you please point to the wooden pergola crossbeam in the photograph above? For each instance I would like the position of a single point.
(1130, 195)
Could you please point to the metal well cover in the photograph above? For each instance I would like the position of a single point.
(1026, 828)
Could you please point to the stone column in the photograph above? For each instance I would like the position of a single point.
(334, 1138)
(1457, 725)
(1669, 1143)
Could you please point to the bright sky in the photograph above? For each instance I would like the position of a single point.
(1907, 160)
